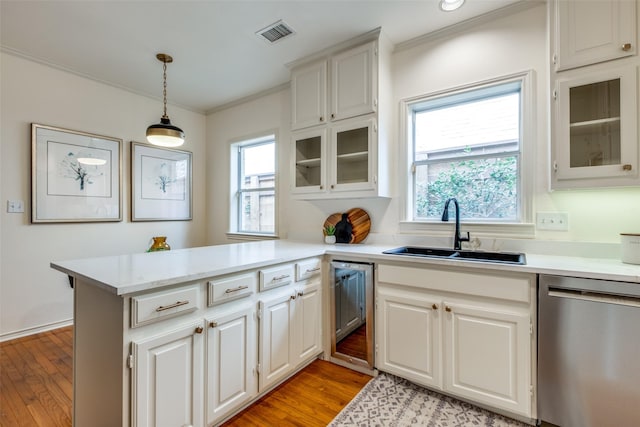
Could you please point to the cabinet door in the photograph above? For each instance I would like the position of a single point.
(596, 130)
(487, 356)
(309, 161)
(309, 95)
(231, 360)
(353, 156)
(308, 317)
(594, 31)
(353, 82)
(167, 379)
(276, 339)
(408, 336)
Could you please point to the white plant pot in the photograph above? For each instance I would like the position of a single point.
(330, 239)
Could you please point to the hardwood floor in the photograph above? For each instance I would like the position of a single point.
(36, 388)
(311, 398)
(35, 380)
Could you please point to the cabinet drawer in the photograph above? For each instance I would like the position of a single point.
(277, 276)
(231, 288)
(507, 286)
(308, 269)
(162, 305)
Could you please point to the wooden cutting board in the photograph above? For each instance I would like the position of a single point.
(359, 220)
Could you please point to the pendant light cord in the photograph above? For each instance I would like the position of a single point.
(164, 88)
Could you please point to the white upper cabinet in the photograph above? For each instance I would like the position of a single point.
(595, 142)
(593, 75)
(352, 155)
(338, 152)
(309, 95)
(588, 32)
(353, 87)
(309, 161)
(354, 82)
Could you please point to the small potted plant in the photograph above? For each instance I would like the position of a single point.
(329, 234)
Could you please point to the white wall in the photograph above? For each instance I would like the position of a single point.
(506, 45)
(32, 295)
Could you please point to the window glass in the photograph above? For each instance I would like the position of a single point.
(256, 192)
(467, 145)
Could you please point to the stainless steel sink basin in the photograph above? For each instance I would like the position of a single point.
(478, 256)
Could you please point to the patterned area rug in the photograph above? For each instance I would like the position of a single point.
(388, 400)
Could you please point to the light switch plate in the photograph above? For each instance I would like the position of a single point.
(554, 221)
(15, 206)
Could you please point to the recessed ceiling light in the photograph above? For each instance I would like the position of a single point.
(450, 5)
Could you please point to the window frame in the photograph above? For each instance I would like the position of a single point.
(524, 227)
(237, 192)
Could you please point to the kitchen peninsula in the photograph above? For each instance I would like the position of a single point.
(219, 326)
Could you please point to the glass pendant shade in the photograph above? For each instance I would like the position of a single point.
(165, 134)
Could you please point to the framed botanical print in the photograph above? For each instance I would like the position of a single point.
(160, 183)
(75, 176)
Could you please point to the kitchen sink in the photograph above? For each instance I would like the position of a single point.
(478, 256)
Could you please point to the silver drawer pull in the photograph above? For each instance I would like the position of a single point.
(176, 304)
(239, 288)
(313, 269)
(276, 278)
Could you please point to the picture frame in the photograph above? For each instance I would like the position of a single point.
(75, 176)
(160, 183)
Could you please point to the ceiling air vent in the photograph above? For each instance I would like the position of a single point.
(275, 32)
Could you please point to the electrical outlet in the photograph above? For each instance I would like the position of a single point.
(554, 221)
(15, 206)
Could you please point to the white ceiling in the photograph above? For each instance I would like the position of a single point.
(218, 58)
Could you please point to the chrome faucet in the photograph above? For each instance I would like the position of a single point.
(445, 217)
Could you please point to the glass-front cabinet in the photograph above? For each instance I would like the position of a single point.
(310, 162)
(595, 139)
(351, 159)
(337, 167)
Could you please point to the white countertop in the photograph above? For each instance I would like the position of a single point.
(126, 274)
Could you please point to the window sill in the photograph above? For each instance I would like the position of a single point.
(250, 236)
(436, 228)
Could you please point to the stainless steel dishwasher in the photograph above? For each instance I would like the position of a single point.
(588, 352)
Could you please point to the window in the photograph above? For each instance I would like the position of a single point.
(468, 144)
(253, 208)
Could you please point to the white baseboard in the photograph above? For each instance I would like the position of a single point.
(35, 330)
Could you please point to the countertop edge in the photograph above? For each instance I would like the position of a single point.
(212, 261)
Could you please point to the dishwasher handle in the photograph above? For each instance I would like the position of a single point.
(584, 295)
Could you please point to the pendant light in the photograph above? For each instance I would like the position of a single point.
(164, 133)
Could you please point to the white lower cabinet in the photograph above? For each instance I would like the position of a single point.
(168, 376)
(308, 322)
(290, 332)
(467, 333)
(276, 339)
(189, 355)
(488, 355)
(414, 356)
(231, 362)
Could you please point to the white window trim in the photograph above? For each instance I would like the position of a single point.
(526, 227)
(233, 232)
